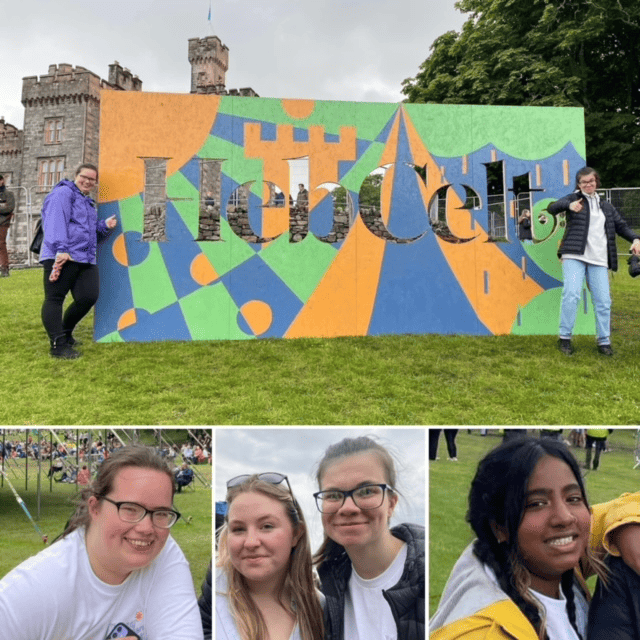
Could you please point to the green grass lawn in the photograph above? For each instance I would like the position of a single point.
(449, 484)
(20, 539)
(404, 380)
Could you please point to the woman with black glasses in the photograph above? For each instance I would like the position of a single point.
(264, 586)
(68, 256)
(115, 572)
(372, 575)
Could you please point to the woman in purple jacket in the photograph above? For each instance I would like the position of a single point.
(71, 233)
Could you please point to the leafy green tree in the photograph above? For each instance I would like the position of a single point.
(563, 53)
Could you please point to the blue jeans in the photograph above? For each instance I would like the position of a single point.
(574, 273)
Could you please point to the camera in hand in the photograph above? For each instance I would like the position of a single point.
(634, 266)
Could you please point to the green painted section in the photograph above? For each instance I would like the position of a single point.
(235, 165)
(369, 117)
(369, 162)
(151, 285)
(542, 316)
(529, 133)
(111, 337)
(301, 265)
(545, 252)
(187, 200)
(197, 307)
(267, 109)
(228, 253)
(132, 214)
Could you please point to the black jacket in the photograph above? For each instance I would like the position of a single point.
(205, 604)
(406, 598)
(577, 229)
(614, 613)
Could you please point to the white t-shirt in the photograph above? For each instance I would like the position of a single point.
(595, 251)
(558, 624)
(55, 595)
(225, 623)
(367, 615)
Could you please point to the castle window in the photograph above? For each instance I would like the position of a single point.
(50, 172)
(53, 130)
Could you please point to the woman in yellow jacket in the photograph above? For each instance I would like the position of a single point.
(521, 578)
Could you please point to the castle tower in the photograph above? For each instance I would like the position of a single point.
(209, 60)
(122, 79)
(61, 130)
(10, 152)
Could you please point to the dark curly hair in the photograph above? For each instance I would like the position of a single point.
(498, 497)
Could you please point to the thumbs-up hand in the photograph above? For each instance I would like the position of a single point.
(577, 205)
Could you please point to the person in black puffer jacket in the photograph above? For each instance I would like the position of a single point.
(205, 605)
(587, 250)
(373, 577)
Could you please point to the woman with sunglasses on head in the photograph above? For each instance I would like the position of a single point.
(115, 572)
(523, 575)
(373, 576)
(264, 586)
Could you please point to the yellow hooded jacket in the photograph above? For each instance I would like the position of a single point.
(473, 607)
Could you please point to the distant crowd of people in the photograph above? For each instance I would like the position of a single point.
(75, 459)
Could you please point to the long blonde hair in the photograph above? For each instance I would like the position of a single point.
(299, 582)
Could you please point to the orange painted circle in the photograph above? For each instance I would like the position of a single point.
(119, 249)
(202, 270)
(299, 109)
(258, 315)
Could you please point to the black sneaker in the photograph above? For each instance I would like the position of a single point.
(60, 348)
(605, 349)
(565, 346)
(72, 342)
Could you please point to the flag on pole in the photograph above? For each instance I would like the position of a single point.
(209, 18)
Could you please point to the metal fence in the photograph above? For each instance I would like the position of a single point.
(497, 219)
(626, 201)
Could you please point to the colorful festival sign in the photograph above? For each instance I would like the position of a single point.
(405, 223)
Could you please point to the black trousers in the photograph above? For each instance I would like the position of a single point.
(450, 436)
(82, 281)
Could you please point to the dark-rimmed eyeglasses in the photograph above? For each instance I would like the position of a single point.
(367, 496)
(133, 512)
(87, 178)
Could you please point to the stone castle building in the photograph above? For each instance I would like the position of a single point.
(62, 124)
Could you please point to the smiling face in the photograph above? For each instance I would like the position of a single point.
(554, 531)
(86, 180)
(260, 538)
(588, 183)
(350, 526)
(117, 548)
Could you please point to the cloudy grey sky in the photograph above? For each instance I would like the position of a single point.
(357, 50)
(295, 452)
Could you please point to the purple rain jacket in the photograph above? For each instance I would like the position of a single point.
(70, 224)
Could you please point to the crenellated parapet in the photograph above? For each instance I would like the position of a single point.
(122, 79)
(10, 139)
(209, 60)
(63, 84)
